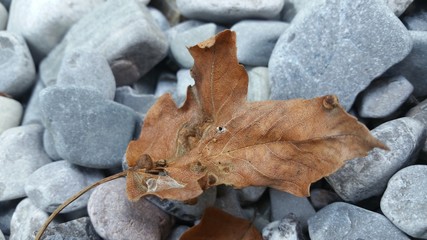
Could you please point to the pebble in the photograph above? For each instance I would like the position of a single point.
(288, 228)
(413, 66)
(87, 130)
(365, 177)
(89, 70)
(49, 146)
(51, 185)
(177, 232)
(26, 221)
(184, 211)
(188, 38)
(32, 110)
(419, 112)
(255, 40)
(169, 9)
(417, 18)
(320, 198)
(159, 18)
(17, 71)
(228, 201)
(259, 84)
(78, 229)
(115, 217)
(227, 11)
(123, 32)
(140, 103)
(322, 53)
(182, 27)
(345, 221)
(398, 6)
(10, 113)
(7, 208)
(21, 153)
(3, 17)
(404, 202)
(249, 195)
(183, 79)
(166, 84)
(283, 204)
(384, 96)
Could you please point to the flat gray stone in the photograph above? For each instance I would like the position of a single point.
(405, 200)
(384, 96)
(32, 110)
(288, 228)
(26, 221)
(10, 113)
(87, 130)
(122, 31)
(21, 153)
(259, 84)
(413, 66)
(345, 221)
(361, 178)
(177, 232)
(182, 40)
(416, 19)
(255, 40)
(51, 185)
(17, 71)
(3, 17)
(322, 53)
(184, 80)
(283, 204)
(115, 217)
(89, 70)
(184, 211)
(226, 11)
(141, 103)
(78, 229)
(7, 208)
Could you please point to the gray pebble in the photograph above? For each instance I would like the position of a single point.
(17, 71)
(419, 112)
(49, 186)
(228, 201)
(249, 195)
(184, 80)
(26, 221)
(259, 84)
(141, 103)
(49, 146)
(182, 27)
(287, 228)
(283, 204)
(87, 129)
(417, 19)
(413, 66)
(7, 208)
(322, 53)
(123, 32)
(32, 110)
(398, 6)
(255, 40)
(384, 96)
(88, 70)
(361, 178)
(166, 84)
(320, 198)
(159, 18)
(177, 232)
(10, 113)
(184, 211)
(3, 17)
(405, 200)
(78, 229)
(226, 11)
(21, 153)
(44, 24)
(188, 38)
(115, 217)
(345, 221)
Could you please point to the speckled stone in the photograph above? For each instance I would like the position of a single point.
(288, 228)
(78, 229)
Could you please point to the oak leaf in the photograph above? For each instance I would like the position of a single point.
(217, 137)
(219, 225)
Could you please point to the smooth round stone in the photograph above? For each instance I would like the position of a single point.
(159, 18)
(226, 11)
(78, 229)
(141, 103)
(115, 217)
(345, 221)
(365, 177)
(44, 23)
(384, 96)
(17, 71)
(87, 130)
(3, 17)
(404, 201)
(49, 146)
(21, 153)
(255, 40)
(259, 84)
(51, 185)
(182, 27)
(26, 221)
(286, 228)
(188, 38)
(10, 113)
(89, 70)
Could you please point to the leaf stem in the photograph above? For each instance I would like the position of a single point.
(73, 198)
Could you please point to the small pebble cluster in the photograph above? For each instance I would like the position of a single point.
(77, 78)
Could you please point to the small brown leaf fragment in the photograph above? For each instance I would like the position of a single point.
(219, 225)
(217, 137)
